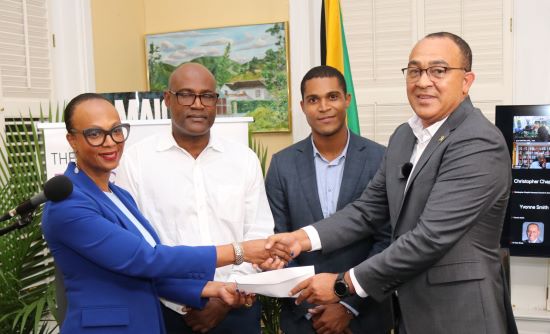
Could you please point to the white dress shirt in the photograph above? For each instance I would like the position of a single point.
(423, 137)
(218, 198)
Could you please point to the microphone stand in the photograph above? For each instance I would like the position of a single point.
(22, 222)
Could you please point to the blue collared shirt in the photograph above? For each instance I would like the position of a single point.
(329, 178)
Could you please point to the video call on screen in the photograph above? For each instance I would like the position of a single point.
(526, 129)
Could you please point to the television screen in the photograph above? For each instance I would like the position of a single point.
(526, 229)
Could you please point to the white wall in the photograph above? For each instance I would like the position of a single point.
(532, 52)
(72, 56)
(305, 53)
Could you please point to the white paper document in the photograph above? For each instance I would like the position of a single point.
(274, 283)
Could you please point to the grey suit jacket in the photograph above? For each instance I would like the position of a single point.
(291, 188)
(443, 260)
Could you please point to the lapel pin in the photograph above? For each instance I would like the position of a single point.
(441, 139)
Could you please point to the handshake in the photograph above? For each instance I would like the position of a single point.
(275, 252)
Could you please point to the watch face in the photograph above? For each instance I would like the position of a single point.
(340, 288)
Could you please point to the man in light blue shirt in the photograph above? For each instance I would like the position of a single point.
(311, 180)
(329, 178)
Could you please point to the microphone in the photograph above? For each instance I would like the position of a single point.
(55, 189)
(405, 170)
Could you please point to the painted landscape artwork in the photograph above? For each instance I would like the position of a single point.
(249, 63)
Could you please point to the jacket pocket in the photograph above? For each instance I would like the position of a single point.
(455, 272)
(105, 316)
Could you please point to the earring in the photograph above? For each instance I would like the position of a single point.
(76, 169)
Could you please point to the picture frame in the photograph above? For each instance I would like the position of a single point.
(250, 63)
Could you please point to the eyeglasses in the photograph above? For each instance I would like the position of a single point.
(435, 73)
(96, 136)
(186, 98)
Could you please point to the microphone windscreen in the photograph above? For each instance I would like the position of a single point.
(58, 188)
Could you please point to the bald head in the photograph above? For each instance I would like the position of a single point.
(533, 232)
(190, 72)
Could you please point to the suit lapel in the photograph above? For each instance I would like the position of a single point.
(405, 149)
(441, 134)
(305, 168)
(455, 118)
(88, 186)
(137, 214)
(353, 170)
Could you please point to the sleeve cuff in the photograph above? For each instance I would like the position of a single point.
(313, 236)
(351, 309)
(173, 306)
(358, 289)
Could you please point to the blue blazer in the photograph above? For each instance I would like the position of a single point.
(291, 187)
(113, 277)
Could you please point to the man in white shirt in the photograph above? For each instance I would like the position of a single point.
(199, 189)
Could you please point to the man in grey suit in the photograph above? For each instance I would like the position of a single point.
(444, 185)
(309, 181)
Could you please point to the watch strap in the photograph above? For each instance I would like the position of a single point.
(340, 281)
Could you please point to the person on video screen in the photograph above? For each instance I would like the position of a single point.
(533, 234)
(542, 132)
(540, 163)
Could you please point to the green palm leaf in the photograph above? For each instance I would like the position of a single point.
(27, 295)
(271, 307)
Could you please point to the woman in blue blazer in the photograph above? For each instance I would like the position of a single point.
(113, 265)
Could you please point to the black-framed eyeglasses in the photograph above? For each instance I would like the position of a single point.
(96, 136)
(435, 73)
(187, 98)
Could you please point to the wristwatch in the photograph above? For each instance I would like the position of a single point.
(341, 288)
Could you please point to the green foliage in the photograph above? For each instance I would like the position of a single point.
(271, 307)
(266, 118)
(248, 106)
(274, 71)
(247, 76)
(260, 151)
(159, 72)
(221, 69)
(154, 64)
(271, 69)
(26, 268)
(251, 70)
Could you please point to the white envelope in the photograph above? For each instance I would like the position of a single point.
(274, 283)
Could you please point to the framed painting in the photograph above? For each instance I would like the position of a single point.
(250, 64)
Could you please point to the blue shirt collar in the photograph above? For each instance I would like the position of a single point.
(338, 158)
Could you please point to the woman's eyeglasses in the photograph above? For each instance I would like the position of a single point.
(96, 136)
